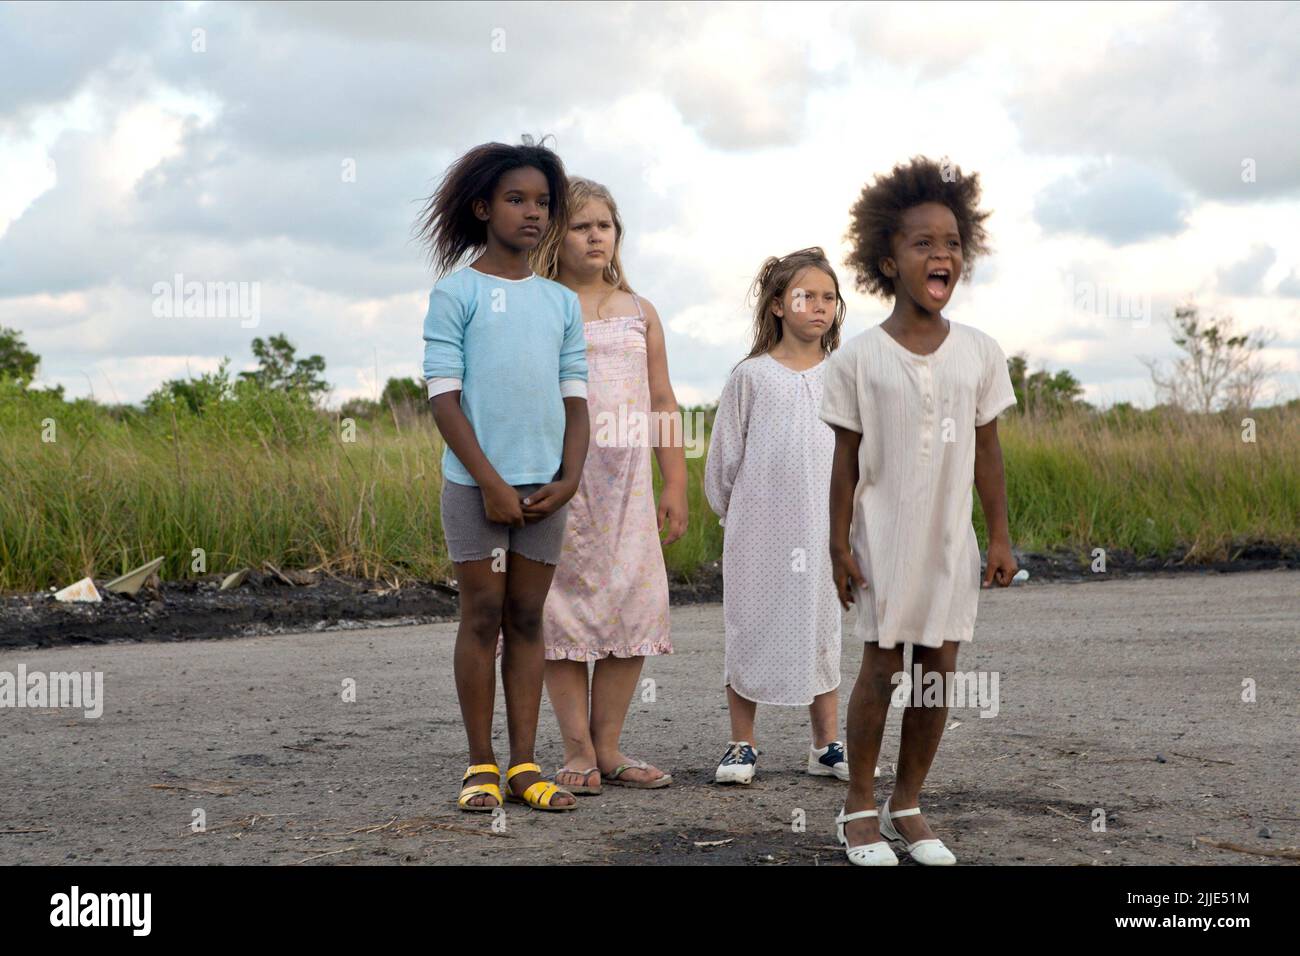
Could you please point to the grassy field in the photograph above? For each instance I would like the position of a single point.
(273, 481)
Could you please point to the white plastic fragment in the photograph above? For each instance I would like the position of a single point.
(82, 591)
(234, 580)
(132, 581)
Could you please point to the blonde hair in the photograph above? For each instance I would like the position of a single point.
(545, 259)
(768, 288)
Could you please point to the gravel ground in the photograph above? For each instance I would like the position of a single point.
(1124, 695)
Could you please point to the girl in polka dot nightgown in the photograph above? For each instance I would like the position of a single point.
(767, 477)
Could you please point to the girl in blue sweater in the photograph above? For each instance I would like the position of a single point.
(505, 362)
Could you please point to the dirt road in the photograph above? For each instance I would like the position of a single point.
(1121, 698)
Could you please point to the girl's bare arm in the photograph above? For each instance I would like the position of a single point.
(990, 482)
(844, 483)
(670, 449)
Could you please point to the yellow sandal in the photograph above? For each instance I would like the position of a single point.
(538, 795)
(491, 789)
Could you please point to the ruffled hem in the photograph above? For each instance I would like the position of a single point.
(588, 654)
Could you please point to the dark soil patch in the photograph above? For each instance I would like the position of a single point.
(197, 609)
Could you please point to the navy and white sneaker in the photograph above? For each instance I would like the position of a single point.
(830, 761)
(737, 763)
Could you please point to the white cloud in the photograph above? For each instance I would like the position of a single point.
(727, 133)
(1246, 277)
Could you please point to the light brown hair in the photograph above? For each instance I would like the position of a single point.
(545, 259)
(769, 287)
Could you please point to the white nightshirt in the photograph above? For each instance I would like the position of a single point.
(912, 534)
(768, 478)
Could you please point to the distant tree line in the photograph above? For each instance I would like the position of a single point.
(1218, 368)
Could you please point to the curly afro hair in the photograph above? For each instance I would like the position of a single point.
(878, 214)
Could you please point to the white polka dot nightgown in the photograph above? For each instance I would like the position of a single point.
(768, 478)
(912, 534)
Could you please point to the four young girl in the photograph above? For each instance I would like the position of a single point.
(506, 366)
(766, 477)
(914, 403)
(892, 428)
(608, 604)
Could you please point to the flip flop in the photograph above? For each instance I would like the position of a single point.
(583, 789)
(615, 779)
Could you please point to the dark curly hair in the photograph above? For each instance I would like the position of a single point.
(878, 214)
(447, 224)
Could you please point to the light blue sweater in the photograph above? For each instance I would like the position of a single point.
(509, 343)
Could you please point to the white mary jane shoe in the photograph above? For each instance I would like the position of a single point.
(866, 854)
(930, 852)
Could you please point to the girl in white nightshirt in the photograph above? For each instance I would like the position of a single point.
(914, 403)
(768, 477)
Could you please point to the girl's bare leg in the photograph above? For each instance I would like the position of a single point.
(566, 683)
(742, 716)
(868, 709)
(612, 685)
(522, 662)
(824, 712)
(922, 730)
(482, 599)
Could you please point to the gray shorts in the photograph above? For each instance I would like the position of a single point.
(471, 537)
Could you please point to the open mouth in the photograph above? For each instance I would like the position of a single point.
(937, 282)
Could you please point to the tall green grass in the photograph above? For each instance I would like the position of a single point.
(1155, 484)
(272, 480)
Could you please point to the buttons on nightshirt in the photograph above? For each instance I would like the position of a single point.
(927, 393)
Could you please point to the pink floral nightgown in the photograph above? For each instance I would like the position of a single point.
(610, 591)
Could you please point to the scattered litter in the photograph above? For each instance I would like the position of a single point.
(1160, 758)
(713, 842)
(291, 578)
(82, 591)
(1202, 759)
(1021, 577)
(276, 573)
(234, 580)
(131, 582)
(1068, 816)
(346, 849)
(221, 788)
(1285, 853)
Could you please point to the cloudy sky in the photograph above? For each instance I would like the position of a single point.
(1134, 156)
